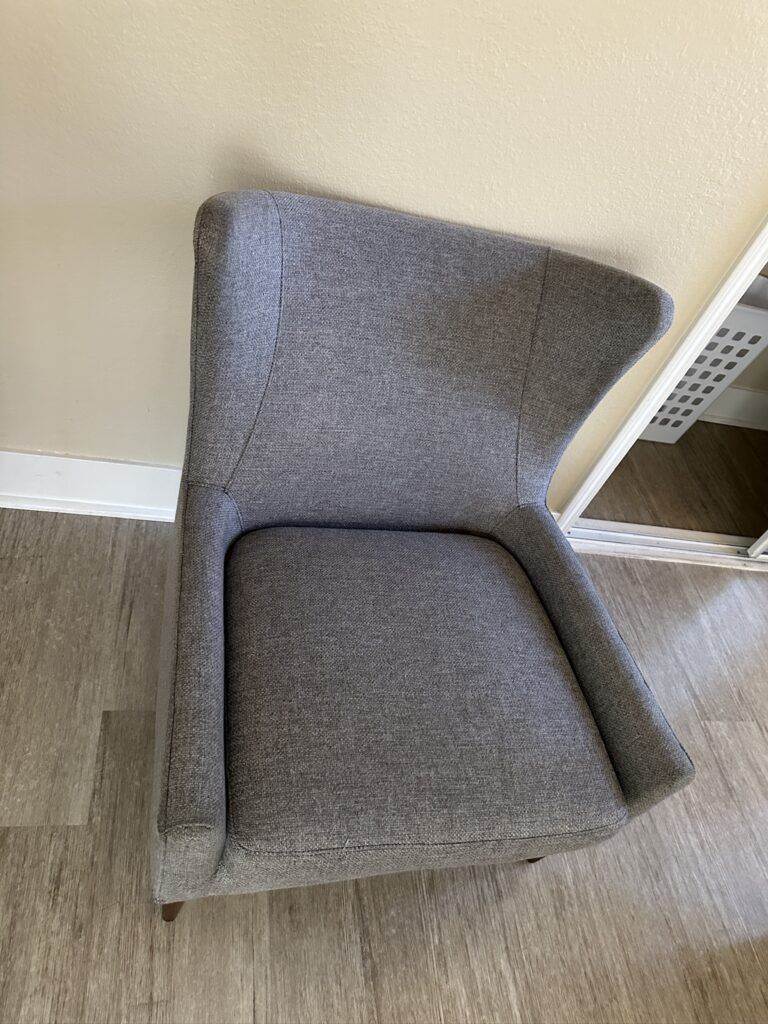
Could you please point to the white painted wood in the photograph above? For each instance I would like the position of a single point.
(662, 544)
(94, 487)
(725, 297)
(741, 340)
(740, 407)
(662, 533)
(760, 546)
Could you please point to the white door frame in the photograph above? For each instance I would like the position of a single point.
(760, 546)
(726, 295)
(665, 544)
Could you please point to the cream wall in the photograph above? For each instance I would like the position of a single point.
(630, 132)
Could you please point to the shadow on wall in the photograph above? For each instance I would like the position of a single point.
(97, 289)
(238, 168)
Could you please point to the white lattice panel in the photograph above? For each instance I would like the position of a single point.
(742, 338)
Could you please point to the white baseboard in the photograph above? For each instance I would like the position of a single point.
(90, 487)
(739, 407)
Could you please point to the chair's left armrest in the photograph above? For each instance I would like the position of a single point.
(189, 807)
(649, 761)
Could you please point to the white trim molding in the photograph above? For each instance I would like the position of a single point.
(759, 547)
(739, 407)
(726, 295)
(664, 544)
(89, 487)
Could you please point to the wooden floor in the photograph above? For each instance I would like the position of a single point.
(714, 479)
(666, 923)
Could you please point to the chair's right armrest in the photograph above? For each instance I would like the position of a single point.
(648, 759)
(189, 806)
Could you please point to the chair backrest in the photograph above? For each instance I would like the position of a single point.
(356, 366)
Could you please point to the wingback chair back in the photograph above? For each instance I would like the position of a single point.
(363, 367)
(378, 404)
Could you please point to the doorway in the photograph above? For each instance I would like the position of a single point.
(686, 477)
(702, 462)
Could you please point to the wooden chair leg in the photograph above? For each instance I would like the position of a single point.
(534, 860)
(170, 911)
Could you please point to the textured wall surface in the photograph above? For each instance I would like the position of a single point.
(632, 133)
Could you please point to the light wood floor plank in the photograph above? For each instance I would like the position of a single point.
(713, 480)
(79, 621)
(316, 968)
(473, 946)
(395, 929)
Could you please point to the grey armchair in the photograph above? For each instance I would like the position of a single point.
(380, 652)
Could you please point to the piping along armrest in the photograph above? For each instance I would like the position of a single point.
(648, 759)
(189, 808)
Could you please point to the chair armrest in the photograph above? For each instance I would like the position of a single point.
(648, 759)
(189, 807)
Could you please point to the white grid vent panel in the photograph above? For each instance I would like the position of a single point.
(743, 336)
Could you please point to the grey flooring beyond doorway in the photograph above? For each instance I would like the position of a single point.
(667, 922)
(714, 479)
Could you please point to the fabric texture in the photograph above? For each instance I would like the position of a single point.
(360, 373)
(648, 759)
(388, 687)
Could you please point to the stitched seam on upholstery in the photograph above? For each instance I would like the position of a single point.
(542, 506)
(206, 484)
(187, 825)
(268, 381)
(534, 331)
(624, 816)
(174, 670)
(163, 862)
(182, 529)
(509, 548)
(187, 484)
(236, 507)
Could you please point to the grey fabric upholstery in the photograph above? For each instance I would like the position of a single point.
(396, 689)
(378, 404)
(647, 757)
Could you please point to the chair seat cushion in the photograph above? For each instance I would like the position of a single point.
(400, 699)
